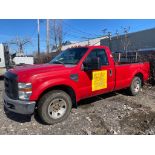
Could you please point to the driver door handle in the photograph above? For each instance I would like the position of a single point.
(110, 72)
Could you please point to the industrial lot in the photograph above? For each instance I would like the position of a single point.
(113, 113)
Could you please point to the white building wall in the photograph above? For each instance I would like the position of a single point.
(91, 42)
(23, 60)
(2, 58)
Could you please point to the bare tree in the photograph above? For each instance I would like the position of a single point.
(60, 34)
(117, 40)
(125, 41)
(56, 30)
(20, 43)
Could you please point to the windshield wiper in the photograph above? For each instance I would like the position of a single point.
(69, 63)
(57, 62)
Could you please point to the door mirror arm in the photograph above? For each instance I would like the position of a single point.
(92, 64)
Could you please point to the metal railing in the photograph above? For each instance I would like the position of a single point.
(130, 57)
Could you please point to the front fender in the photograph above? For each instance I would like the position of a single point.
(38, 89)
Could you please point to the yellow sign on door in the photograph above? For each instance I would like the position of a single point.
(99, 80)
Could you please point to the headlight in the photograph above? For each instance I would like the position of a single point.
(25, 90)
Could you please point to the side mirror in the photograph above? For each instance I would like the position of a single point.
(92, 64)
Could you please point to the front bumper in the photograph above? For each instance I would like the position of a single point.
(18, 106)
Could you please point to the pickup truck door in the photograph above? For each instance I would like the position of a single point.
(97, 82)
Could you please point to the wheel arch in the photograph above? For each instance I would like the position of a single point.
(140, 75)
(69, 90)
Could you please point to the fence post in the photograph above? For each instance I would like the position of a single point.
(136, 56)
(119, 57)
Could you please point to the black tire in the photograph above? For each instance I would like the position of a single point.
(45, 102)
(135, 86)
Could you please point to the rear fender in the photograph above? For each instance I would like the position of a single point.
(145, 76)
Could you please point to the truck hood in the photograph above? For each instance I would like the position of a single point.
(37, 69)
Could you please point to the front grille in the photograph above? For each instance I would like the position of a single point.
(11, 85)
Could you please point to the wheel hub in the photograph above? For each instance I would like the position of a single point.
(57, 108)
(136, 86)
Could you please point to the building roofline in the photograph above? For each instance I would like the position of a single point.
(135, 32)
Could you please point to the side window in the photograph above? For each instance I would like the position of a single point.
(91, 55)
(103, 56)
(98, 53)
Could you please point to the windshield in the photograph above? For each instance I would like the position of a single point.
(69, 56)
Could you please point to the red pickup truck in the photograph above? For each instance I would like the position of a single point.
(53, 89)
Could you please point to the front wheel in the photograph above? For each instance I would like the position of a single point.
(135, 86)
(54, 107)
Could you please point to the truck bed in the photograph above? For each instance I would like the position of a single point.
(125, 71)
(137, 57)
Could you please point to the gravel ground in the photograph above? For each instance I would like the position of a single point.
(113, 113)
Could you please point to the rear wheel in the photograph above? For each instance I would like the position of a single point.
(54, 107)
(135, 86)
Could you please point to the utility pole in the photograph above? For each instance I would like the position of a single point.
(117, 36)
(109, 36)
(87, 39)
(88, 42)
(48, 35)
(38, 23)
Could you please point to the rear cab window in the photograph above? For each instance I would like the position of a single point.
(98, 53)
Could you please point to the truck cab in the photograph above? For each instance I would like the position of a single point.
(53, 89)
